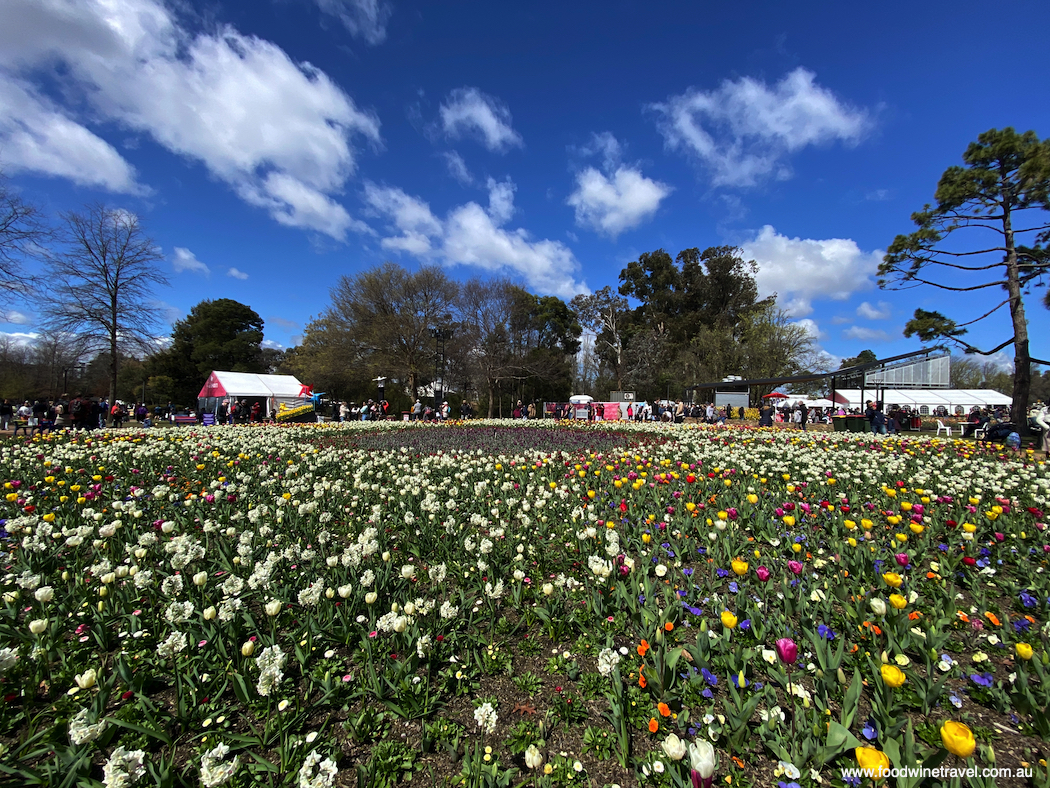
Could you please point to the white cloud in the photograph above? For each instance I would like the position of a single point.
(801, 270)
(19, 338)
(469, 112)
(878, 195)
(278, 132)
(501, 200)
(866, 334)
(471, 235)
(269, 343)
(811, 327)
(745, 129)
(457, 168)
(610, 205)
(364, 19)
(880, 312)
(618, 199)
(185, 260)
(36, 136)
(236, 274)
(14, 317)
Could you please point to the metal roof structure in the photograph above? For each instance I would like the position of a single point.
(858, 373)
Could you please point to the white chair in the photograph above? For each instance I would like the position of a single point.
(942, 426)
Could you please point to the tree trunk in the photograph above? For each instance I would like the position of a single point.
(492, 396)
(413, 388)
(1022, 359)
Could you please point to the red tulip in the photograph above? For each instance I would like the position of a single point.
(787, 650)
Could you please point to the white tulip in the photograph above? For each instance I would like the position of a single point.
(200, 579)
(674, 747)
(37, 625)
(371, 597)
(533, 757)
(248, 648)
(210, 613)
(87, 679)
(878, 607)
(44, 594)
(702, 758)
(408, 571)
(272, 608)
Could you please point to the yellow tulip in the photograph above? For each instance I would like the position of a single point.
(958, 739)
(752, 498)
(723, 515)
(875, 763)
(789, 521)
(898, 601)
(739, 567)
(916, 528)
(892, 675)
(1024, 651)
(728, 620)
(969, 527)
(850, 525)
(892, 579)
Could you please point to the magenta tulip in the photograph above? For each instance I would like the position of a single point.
(795, 567)
(902, 559)
(763, 573)
(787, 650)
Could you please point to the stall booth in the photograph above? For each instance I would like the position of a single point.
(271, 391)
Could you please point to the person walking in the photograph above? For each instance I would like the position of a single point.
(803, 415)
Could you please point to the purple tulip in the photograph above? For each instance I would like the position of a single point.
(902, 559)
(787, 650)
(795, 567)
(763, 573)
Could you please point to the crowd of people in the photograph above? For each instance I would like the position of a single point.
(65, 412)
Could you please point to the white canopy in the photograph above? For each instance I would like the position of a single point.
(928, 399)
(234, 385)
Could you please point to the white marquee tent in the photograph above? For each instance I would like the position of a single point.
(925, 400)
(273, 389)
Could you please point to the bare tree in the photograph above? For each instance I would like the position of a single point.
(101, 286)
(390, 313)
(22, 231)
(605, 315)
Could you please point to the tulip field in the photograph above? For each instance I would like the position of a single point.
(539, 604)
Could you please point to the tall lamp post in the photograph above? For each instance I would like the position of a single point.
(441, 335)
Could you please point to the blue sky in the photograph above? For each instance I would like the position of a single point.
(271, 146)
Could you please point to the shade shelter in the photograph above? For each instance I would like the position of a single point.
(269, 390)
(926, 401)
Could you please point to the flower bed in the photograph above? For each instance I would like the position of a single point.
(289, 606)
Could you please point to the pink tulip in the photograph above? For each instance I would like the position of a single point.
(763, 573)
(795, 567)
(902, 559)
(787, 650)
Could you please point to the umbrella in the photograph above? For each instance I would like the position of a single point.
(580, 399)
(775, 395)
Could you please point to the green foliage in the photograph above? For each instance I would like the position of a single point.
(1006, 178)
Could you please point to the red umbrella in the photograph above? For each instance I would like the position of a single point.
(775, 395)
